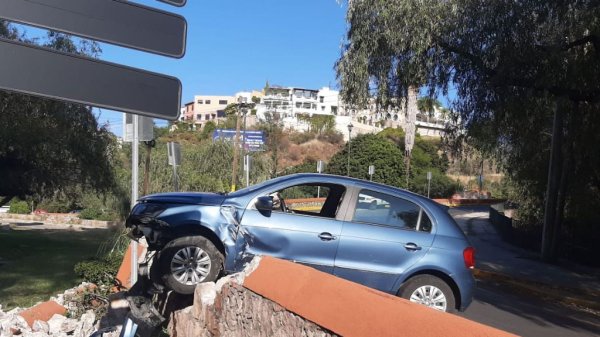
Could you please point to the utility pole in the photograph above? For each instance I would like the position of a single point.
(235, 150)
(350, 126)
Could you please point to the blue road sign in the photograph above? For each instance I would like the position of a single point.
(251, 140)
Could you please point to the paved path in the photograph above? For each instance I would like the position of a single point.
(493, 254)
(528, 316)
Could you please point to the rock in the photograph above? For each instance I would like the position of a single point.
(13, 322)
(69, 325)
(55, 324)
(85, 327)
(40, 326)
(35, 334)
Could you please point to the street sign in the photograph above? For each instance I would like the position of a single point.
(145, 128)
(117, 22)
(43, 72)
(178, 3)
(371, 170)
(252, 140)
(428, 175)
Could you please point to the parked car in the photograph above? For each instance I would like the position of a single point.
(407, 246)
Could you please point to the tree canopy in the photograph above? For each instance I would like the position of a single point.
(48, 146)
(525, 75)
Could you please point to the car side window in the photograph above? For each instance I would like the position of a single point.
(384, 209)
(309, 199)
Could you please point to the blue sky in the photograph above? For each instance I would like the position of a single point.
(237, 45)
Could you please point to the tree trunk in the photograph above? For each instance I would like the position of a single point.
(549, 253)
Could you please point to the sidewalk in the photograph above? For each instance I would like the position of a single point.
(502, 262)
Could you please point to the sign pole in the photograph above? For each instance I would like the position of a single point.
(134, 191)
(428, 183)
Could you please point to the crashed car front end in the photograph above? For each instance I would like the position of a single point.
(162, 222)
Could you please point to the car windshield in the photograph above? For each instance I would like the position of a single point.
(256, 187)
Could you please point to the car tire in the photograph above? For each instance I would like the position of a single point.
(430, 291)
(187, 261)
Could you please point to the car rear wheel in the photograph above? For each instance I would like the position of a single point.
(188, 261)
(430, 291)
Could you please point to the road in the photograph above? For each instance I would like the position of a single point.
(528, 316)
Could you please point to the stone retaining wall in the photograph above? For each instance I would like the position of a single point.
(58, 218)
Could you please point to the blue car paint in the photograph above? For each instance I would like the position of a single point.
(369, 254)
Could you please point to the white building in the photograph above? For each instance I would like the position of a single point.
(288, 102)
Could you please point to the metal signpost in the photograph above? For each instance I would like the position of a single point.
(247, 166)
(174, 152)
(320, 169)
(428, 183)
(48, 73)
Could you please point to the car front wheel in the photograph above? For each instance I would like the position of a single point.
(188, 261)
(430, 291)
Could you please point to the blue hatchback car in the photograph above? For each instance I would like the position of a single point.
(380, 236)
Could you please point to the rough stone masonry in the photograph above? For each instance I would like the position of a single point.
(227, 309)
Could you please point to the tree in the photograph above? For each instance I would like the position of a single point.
(522, 70)
(48, 146)
(368, 150)
(428, 105)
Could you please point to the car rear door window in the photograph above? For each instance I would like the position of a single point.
(383, 209)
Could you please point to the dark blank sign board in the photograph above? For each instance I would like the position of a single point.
(122, 23)
(42, 72)
(178, 3)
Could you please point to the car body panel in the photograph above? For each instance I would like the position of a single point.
(292, 237)
(365, 249)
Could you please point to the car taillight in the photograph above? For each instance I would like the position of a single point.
(469, 256)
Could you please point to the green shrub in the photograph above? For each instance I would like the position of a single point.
(96, 214)
(301, 137)
(90, 214)
(332, 137)
(19, 207)
(100, 271)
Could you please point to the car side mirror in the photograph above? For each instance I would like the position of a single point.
(264, 205)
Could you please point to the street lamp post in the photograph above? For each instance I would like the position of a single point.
(350, 126)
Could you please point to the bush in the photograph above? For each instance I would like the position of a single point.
(332, 137)
(100, 271)
(90, 214)
(301, 137)
(19, 207)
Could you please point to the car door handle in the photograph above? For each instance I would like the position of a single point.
(326, 236)
(412, 246)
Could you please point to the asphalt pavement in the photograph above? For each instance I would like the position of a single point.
(528, 316)
(519, 293)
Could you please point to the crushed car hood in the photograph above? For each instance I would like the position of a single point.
(186, 198)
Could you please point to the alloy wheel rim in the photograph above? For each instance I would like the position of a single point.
(190, 265)
(430, 296)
